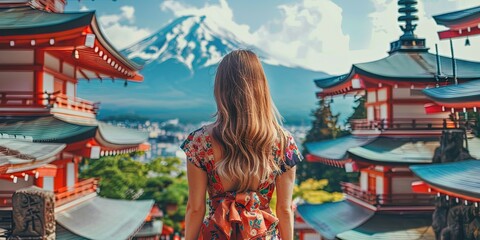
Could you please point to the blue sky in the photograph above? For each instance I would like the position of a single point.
(326, 35)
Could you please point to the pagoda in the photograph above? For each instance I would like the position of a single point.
(454, 178)
(397, 134)
(46, 129)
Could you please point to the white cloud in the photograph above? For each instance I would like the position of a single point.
(83, 8)
(309, 32)
(310, 35)
(385, 25)
(220, 17)
(120, 28)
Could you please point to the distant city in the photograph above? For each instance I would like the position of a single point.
(165, 137)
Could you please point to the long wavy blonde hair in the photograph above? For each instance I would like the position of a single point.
(248, 123)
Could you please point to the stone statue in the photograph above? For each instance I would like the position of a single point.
(33, 214)
(451, 148)
(439, 217)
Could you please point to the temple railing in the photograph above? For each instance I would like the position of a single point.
(62, 195)
(77, 104)
(22, 99)
(81, 188)
(412, 124)
(395, 199)
(26, 99)
(6, 199)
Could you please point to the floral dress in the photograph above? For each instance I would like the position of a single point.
(235, 215)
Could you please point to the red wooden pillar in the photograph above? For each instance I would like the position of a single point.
(39, 59)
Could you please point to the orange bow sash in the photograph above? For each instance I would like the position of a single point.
(240, 211)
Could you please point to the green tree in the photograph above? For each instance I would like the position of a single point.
(324, 124)
(359, 111)
(167, 185)
(313, 191)
(324, 127)
(121, 177)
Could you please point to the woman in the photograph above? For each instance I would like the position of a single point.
(240, 159)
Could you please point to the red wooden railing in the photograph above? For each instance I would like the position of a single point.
(395, 199)
(6, 198)
(82, 188)
(25, 99)
(62, 195)
(412, 124)
(77, 104)
(21, 99)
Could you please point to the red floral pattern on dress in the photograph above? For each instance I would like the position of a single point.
(238, 215)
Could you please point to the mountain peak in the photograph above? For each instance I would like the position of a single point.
(191, 40)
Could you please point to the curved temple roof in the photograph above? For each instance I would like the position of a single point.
(28, 21)
(102, 218)
(64, 130)
(347, 220)
(461, 93)
(397, 150)
(120, 136)
(336, 149)
(46, 129)
(22, 155)
(457, 177)
(374, 148)
(24, 21)
(330, 219)
(407, 67)
(458, 17)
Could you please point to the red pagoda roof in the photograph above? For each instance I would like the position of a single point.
(456, 179)
(72, 37)
(459, 19)
(347, 220)
(20, 155)
(374, 148)
(461, 23)
(398, 68)
(103, 218)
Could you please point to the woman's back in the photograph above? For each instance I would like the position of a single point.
(253, 218)
(240, 158)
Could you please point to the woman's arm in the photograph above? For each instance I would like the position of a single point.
(285, 183)
(197, 187)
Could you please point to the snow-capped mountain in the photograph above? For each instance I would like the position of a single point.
(191, 40)
(179, 67)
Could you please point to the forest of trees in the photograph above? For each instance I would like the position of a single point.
(325, 126)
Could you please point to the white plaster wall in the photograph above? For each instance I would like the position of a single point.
(16, 56)
(70, 89)
(312, 236)
(379, 184)
(382, 94)
(371, 96)
(384, 111)
(402, 184)
(370, 113)
(48, 183)
(48, 81)
(405, 93)
(52, 62)
(9, 185)
(16, 81)
(364, 181)
(68, 70)
(414, 111)
(70, 174)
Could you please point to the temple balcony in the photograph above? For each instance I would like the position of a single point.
(63, 195)
(420, 124)
(392, 201)
(28, 103)
(80, 189)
